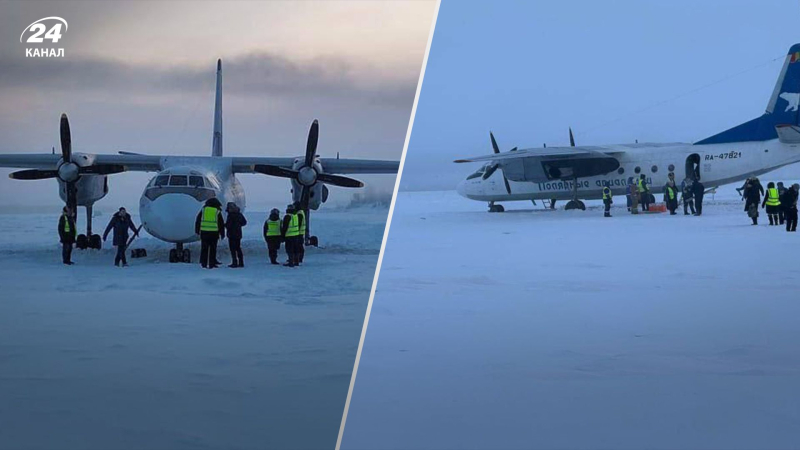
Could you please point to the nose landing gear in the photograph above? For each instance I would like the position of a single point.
(495, 208)
(180, 254)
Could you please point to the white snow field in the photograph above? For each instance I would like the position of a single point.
(172, 356)
(545, 329)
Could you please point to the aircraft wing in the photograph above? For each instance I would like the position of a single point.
(46, 161)
(553, 163)
(547, 152)
(244, 164)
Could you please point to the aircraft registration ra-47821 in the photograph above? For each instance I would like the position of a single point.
(175, 195)
(572, 173)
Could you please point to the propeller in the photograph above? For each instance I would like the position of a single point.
(67, 171)
(491, 169)
(307, 175)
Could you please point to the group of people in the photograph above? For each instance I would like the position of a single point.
(638, 192)
(120, 223)
(211, 226)
(780, 202)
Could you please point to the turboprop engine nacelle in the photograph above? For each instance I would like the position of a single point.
(318, 191)
(90, 188)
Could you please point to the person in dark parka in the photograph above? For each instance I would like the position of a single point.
(752, 195)
(699, 191)
(66, 234)
(688, 196)
(791, 207)
(273, 235)
(211, 228)
(781, 209)
(234, 224)
(120, 222)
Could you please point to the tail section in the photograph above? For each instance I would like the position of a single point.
(216, 146)
(782, 108)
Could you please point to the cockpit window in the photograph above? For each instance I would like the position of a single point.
(178, 180)
(161, 180)
(478, 173)
(196, 181)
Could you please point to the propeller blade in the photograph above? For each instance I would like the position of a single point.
(338, 180)
(102, 169)
(72, 198)
(33, 174)
(311, 145)
(305, 197)
(275, 171)
(571, 138)
(508, 186)
(494, 143)
(489, 171)
(66, 139)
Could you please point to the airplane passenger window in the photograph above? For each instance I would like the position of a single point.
(621, 170)
(637, 169)
(178, 180)
(196, 181)
(671, 167)
(654, 169)
(161, 180)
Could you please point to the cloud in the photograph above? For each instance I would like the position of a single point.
(248, 75)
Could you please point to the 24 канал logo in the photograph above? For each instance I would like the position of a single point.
(48, 29)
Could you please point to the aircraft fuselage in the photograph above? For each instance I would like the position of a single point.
(718, 164)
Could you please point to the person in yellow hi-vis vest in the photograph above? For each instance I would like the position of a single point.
(66, 234)
(290, 228)
(273, 235)
(301, 241)
(211, 228)
(773, 203)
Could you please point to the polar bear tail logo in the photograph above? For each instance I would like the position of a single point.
(793, 100)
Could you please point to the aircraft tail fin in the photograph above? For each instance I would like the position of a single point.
(783, 107)
(216, 146)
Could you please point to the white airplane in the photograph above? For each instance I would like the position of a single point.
(172, 199)
(570, 173)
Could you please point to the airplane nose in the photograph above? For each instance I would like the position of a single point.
(171, 217)
(462, 188)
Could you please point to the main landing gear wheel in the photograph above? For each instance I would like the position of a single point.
(82, 242)
(496, 208)
(95, 242)
(313, 241)
(575, 204)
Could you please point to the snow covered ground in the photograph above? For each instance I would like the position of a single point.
(554, 329)
(171, 356)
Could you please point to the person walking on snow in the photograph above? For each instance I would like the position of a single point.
(791, 207)
(120, 222)
(772, 203)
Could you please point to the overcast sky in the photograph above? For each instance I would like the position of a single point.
(529, 70)
(139, 76)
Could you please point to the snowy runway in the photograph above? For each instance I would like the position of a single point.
(163, 355)
(555, 329)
